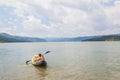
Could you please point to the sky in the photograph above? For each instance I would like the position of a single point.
(59, 18)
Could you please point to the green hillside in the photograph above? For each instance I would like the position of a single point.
(105, 38)
(10, 38)
(1, 41)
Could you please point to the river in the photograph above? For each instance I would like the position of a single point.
(66, 61)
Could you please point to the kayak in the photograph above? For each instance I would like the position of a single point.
(38, 63)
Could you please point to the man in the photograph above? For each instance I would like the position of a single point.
(39, 57)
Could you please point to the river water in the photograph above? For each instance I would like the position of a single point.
(66, 61)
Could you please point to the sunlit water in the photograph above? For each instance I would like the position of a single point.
(66, 61)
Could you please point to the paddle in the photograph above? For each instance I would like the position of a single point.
(30, 60)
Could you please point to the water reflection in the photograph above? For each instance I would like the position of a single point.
(41, 72)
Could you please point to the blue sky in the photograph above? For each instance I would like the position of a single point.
(59, 18)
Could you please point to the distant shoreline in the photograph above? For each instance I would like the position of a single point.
(11, 38)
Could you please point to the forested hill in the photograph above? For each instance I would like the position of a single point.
(10, 38)
(115, 37)
(105, 38)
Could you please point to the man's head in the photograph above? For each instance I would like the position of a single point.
(40, 54)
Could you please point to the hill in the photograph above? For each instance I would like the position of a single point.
(115, 37)
(75, 39)
(105, 38)
(10, 38)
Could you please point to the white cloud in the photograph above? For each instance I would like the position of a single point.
(8, 30)
(113, 13)
(32, 23)
(66, 18)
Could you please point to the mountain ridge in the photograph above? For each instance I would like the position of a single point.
(4, 37)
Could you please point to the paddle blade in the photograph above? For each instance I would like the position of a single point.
(27, 61)
(47, 52)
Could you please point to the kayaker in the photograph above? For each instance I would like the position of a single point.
(40, 57)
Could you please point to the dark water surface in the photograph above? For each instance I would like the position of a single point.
(67, 61)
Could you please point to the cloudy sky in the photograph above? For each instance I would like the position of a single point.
(59, 18)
